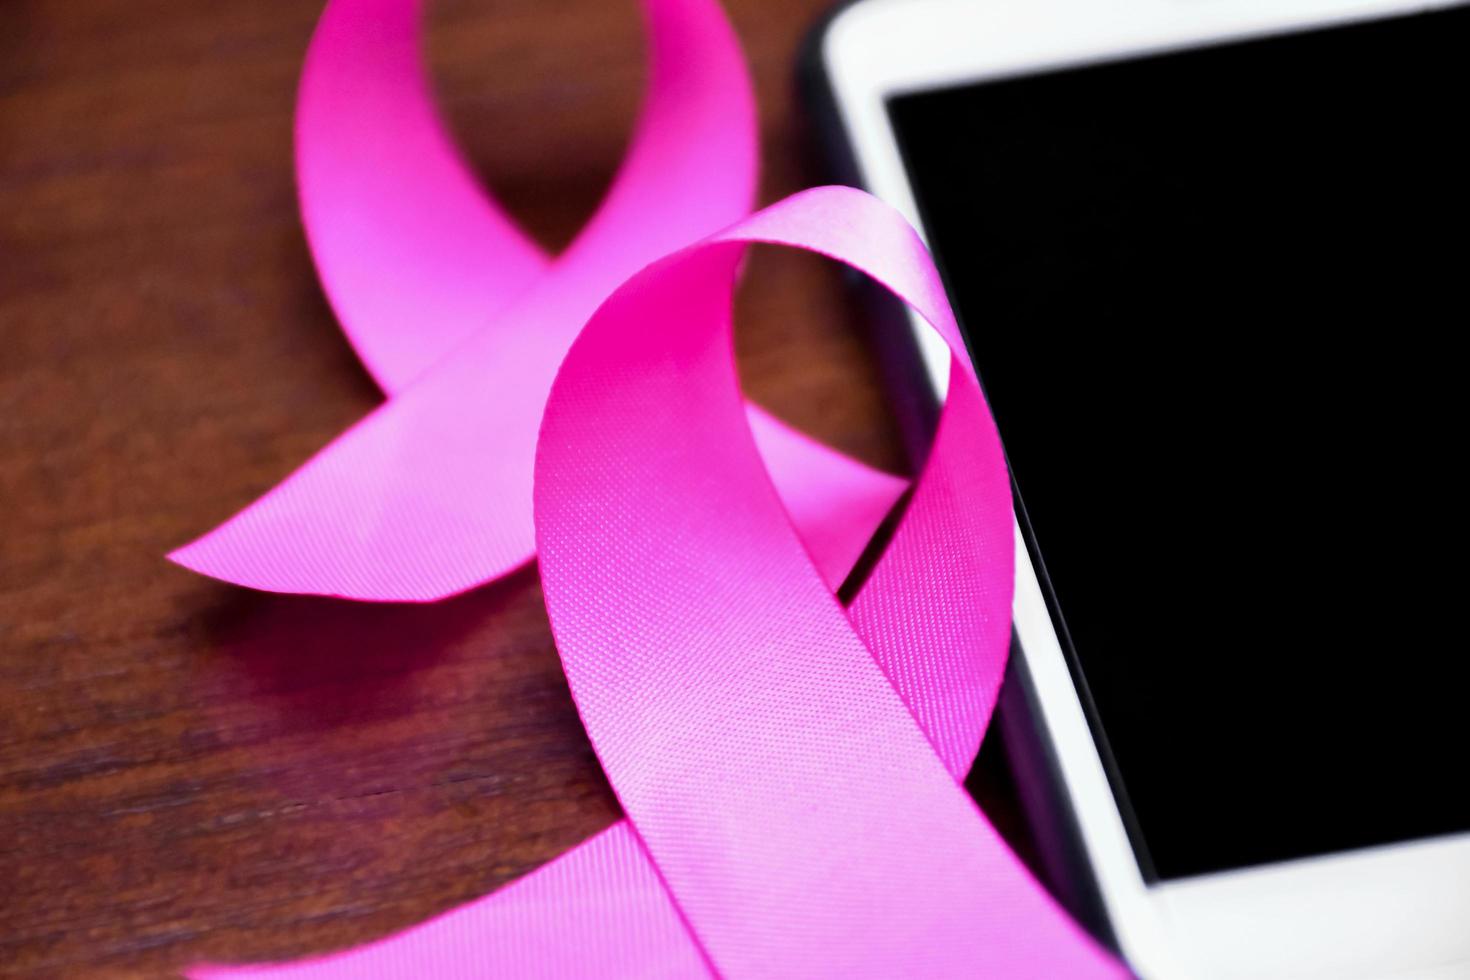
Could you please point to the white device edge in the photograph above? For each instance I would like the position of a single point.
(1398, 911)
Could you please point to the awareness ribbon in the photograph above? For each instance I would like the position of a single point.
(790, 769)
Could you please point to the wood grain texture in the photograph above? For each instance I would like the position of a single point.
(191, 771)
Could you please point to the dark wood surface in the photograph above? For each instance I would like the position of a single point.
(190, 771)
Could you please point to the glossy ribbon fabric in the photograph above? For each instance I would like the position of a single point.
(789, 767)
(464, 323)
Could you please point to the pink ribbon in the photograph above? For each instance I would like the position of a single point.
(789, 768)
(464, 323)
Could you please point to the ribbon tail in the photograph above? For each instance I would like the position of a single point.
(424, 499)
(598, 910)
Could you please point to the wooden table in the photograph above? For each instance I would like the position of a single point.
(191, 771)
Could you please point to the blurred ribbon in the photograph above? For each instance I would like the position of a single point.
(463, 321)
(790, 769)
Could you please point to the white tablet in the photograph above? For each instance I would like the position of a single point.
(1210, 257)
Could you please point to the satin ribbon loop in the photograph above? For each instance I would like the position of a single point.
(802, 820)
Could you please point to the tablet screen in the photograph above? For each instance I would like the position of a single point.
(1217, 299)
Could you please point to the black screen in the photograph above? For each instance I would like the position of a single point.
(1217, 299)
